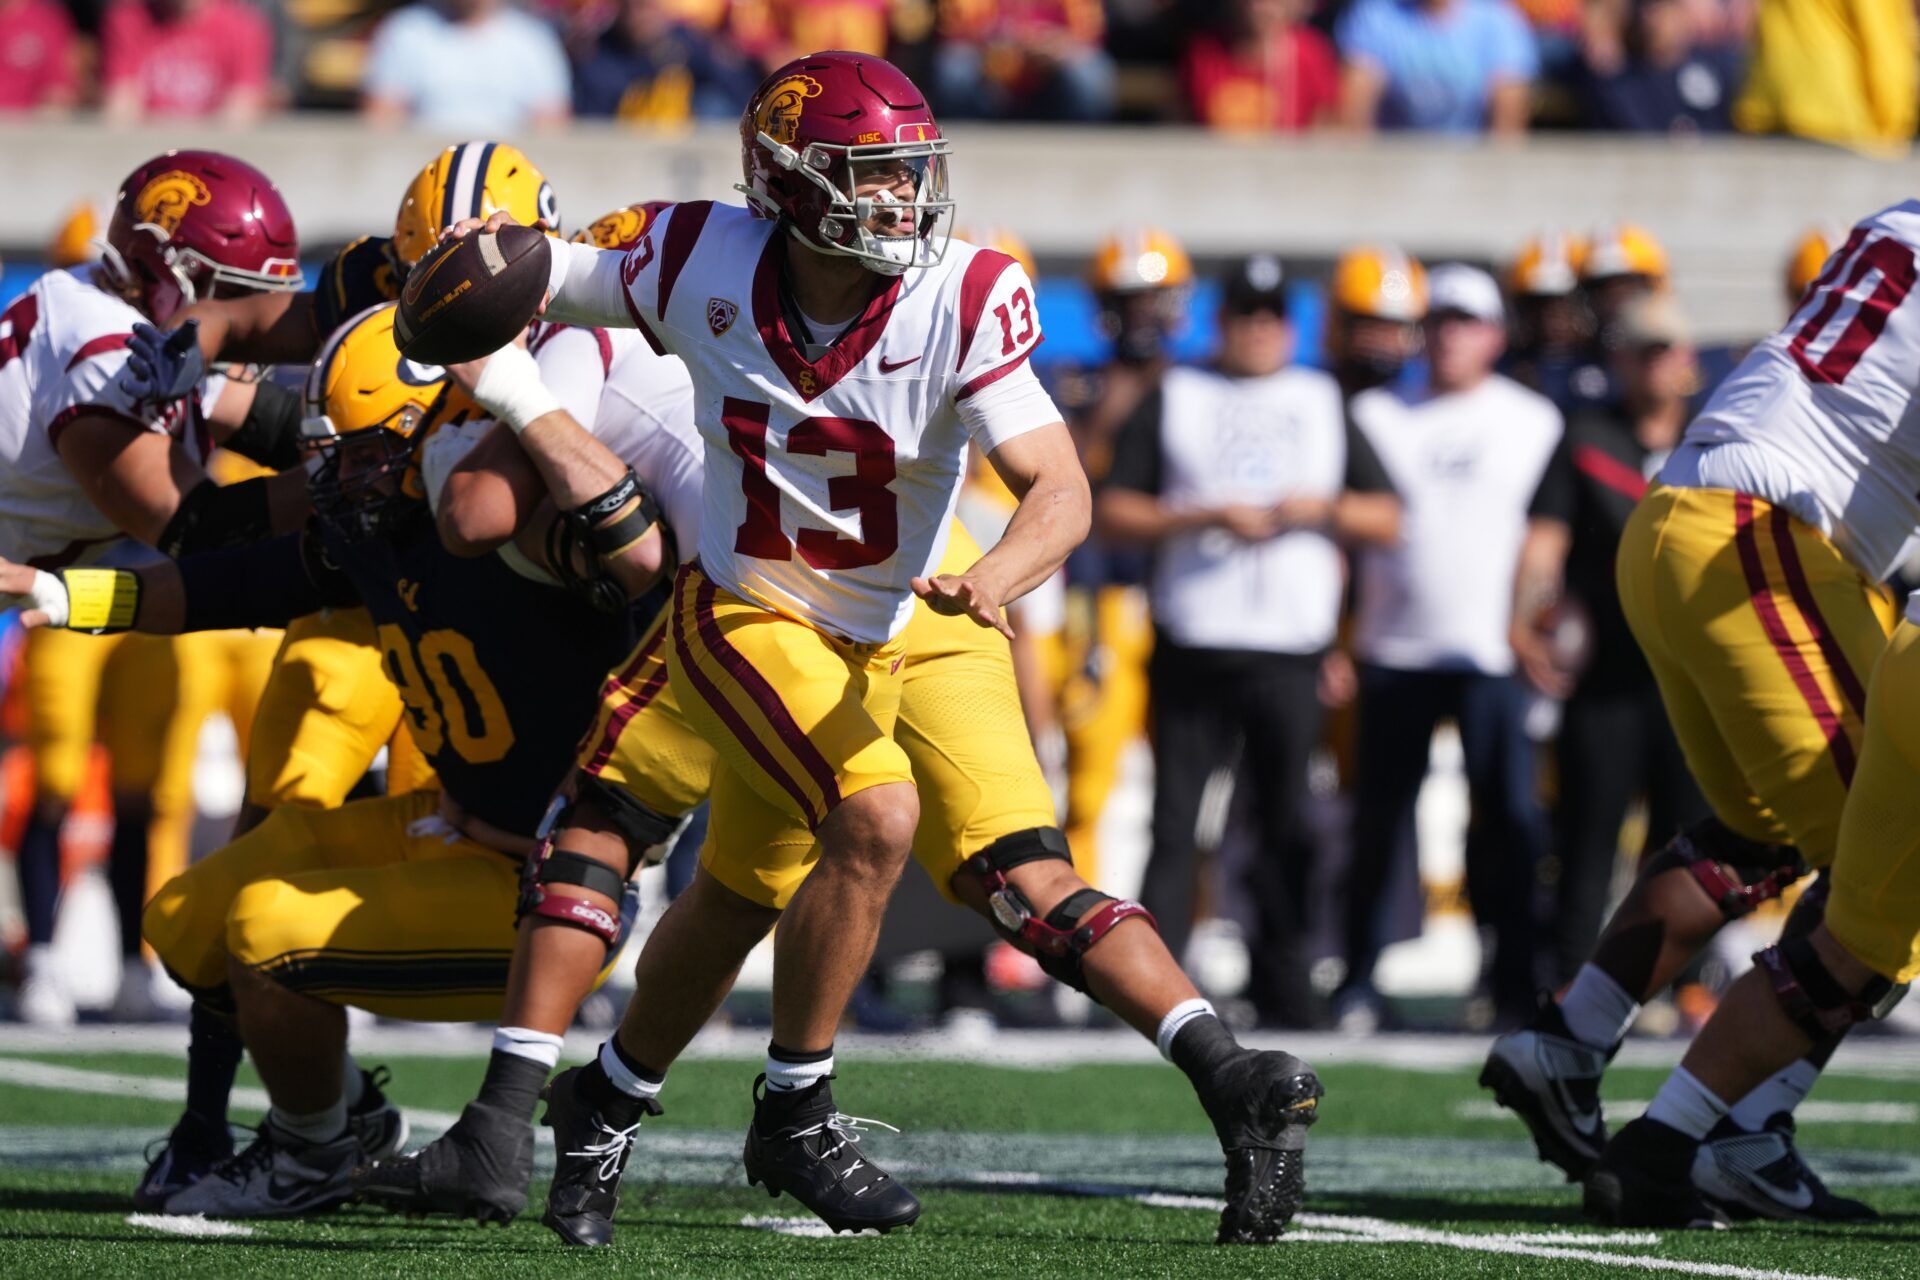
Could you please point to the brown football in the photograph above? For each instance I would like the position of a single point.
(469, 297)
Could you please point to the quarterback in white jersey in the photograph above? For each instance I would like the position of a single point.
(842, 354)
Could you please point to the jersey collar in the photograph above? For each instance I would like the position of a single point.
(811, 378)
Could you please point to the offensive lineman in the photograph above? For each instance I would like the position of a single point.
(834, 292)
(1750, 577)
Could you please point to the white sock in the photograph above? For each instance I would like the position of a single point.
(1597, 1009)
(783, 1076)
(1685, 1104)
(534, 1046)
(1177, 1017)
(625, 1078)
(320, 1126)
(1783, 1092)
(353, 1084)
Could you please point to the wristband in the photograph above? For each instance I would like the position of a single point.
(100, 600)
(509, 388)
(615, 536)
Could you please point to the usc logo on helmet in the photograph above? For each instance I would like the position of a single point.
(615, 230)
(164, 201)
(779, 114)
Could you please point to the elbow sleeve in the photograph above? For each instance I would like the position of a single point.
(212, 516)
(270, 435)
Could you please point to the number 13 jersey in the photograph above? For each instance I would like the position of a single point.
(829, 483)
(1824, 412)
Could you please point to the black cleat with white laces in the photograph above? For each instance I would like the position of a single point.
(591, 1148)
(1645, 1179)
(1762, 1175)
(801, 1144)
(478, 1169)
(1261, 1104)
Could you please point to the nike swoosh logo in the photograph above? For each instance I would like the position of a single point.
(888, 366)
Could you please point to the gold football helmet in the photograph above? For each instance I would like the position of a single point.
(471, 180)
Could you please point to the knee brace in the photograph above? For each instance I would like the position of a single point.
(645, 833)
(1060, 939)
(1707, 849)
(1810, 995)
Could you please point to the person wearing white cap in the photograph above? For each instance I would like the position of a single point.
(1465, 452)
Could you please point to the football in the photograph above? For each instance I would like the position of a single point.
(471, 296)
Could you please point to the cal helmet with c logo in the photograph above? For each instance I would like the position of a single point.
(471, 180)
(368, 408)
(190, 225)
(819, 125)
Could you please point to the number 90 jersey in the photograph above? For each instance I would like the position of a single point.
(1832, 397)
(830, 483)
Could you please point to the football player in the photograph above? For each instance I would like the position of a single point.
(403, 905)
(1750, 575)
(328, 707)
(1376, 303)
(868, 334)
(89, 469)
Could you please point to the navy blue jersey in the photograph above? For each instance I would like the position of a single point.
(500, 675)
(364, 274)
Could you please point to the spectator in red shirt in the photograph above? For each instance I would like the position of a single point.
(36, 56)
(1261, 68)
(199, 58)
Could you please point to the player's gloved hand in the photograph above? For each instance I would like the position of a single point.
(41, 596)
(970, 594)
(163, 366)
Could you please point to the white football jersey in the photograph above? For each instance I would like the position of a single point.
(829, 484)
(1828, 403)
(62, 345)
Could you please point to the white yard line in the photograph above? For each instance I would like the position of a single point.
(1871, 1056)
(1813, 1111)
(196, 1225)
(43, 1075)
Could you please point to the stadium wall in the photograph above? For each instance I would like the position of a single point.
(1728, 210)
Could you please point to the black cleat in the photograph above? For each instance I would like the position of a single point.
(184, 1157)
(1552, 1082)
(1261, 1104)
(1645, 1179)
(1762, 1175)
(798, 1143)
(478, 1169)
(376, 1124)
(590, 1154)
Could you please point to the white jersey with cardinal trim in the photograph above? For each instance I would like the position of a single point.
(62, 345)
(636, 402)
(1822, 417)
(830, 484)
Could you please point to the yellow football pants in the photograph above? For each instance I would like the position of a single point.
(1103, 709)
(1874, 905)
(350, 906)
(1760, 635)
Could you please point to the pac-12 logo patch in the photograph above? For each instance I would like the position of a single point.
(720, 314)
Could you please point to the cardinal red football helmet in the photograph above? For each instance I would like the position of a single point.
(819, 126)
(190, 224)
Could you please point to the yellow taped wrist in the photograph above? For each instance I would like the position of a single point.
(101, 600)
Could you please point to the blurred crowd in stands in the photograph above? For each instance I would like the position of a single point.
(1845, 74)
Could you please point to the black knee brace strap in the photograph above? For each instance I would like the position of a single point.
(547, 865)
(1813, 999)
(1060, 939)
(1705, 848)
(646, 831)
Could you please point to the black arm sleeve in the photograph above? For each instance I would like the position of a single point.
(1365, 472)
(1557, 495)
(1136, 448)
(268, 584)
(212, 516)
(271, 433)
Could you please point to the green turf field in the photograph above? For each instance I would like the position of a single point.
(1098, 1170)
